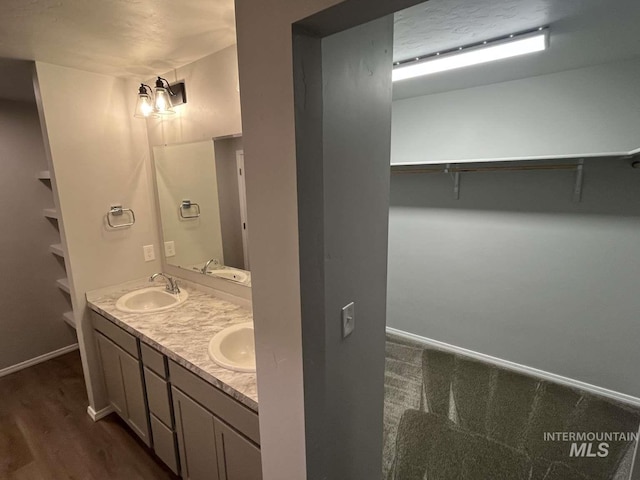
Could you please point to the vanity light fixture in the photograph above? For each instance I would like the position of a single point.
(144, 105)
(166, 96)
(487, 51)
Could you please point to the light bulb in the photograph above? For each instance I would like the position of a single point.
(487, 52)
(162, 100)
(144, 104)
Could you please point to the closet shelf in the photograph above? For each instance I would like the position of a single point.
(57, 249)
(43, 175)
(50, 213)
(63, 284)
(69, 318)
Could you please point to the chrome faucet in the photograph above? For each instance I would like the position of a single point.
(172, 284)
(216, 265)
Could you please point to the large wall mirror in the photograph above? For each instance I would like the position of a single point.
(201, 195)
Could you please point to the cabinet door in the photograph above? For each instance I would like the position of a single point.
(238, 458)
(134, 393)
(196, 439)
(110, 358)
(123, 379)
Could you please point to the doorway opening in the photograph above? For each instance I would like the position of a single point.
(512, 217)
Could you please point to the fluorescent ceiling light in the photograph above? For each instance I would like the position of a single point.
(510, 47)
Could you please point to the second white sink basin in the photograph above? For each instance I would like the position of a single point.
(234, 348)
(148, 300)
(230, 274)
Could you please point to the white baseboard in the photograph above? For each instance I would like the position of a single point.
(100, 414)
(516, 367)
(37, 360)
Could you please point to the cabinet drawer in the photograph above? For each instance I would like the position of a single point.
(158, 396)
(164, 444)
(154, 360)
(117, 335)
(216, 401)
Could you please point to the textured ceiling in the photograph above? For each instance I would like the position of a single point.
(141, 38)
(444, 24)
(119, 37)
(582, 32)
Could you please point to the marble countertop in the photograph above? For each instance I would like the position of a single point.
(183, 333)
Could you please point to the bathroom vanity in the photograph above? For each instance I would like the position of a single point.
(199, 418)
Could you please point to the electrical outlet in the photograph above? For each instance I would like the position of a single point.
(149, 253)
(348, 319)
(170, 249)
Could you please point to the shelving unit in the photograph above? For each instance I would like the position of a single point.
(63, 284)
(57, 249)
(53, 214)
(69, 318)
(50, 213)
(44, 175)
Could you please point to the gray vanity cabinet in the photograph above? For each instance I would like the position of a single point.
(196, 439)
(196, 429)
(110, 358)
(124, 384)
(238, 459)
(218, 436)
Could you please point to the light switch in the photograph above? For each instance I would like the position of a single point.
(348, 319)
(170, 249)
(149, 253)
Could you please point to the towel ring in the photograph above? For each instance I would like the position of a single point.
(187, 205)
(118, 211)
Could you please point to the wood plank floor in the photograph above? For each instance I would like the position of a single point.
(46, 434)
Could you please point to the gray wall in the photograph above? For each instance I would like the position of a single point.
(31, 304)
(344, 96)
(584, 111)
(266, 81)
(229, 199)
(516, 270)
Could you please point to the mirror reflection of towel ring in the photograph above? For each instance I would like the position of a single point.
(188, 205)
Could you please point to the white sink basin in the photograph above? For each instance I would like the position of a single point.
(148, 300)
(234, 348)
(230, 274)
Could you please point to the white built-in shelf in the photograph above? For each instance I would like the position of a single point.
(69, 318)
(56, 249)
(43, 175)
(63, 284)
(50, 213)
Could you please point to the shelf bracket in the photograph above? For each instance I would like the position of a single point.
(577, 189)
(456, 181)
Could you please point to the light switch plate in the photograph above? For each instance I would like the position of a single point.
(149, 253)
(170, 249)
(348, 319)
